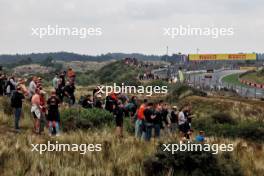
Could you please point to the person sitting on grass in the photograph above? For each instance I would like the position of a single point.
(53, 114)
(87, 102)
(201, 137)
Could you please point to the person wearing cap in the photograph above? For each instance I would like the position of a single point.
(53, 114)
(16, 103)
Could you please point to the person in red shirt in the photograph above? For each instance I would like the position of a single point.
(140, 119)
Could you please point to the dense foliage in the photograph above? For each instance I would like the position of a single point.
(191, 163)
(79, 118)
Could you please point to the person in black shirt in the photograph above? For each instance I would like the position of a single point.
(149, 120)
(16, 103)
(174, 119)
(69, 90)
(53, 113)
(157, 121)
(118, 111)
(98, 101)
(87, 102)
(59, 90)
(2, 85)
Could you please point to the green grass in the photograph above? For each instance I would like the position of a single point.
(254, 77)
(233, 79)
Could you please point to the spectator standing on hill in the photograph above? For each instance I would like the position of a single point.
(21, 83)
(118, 111)
(165, 118)
(59, 90)
(62, 77)
(53, 114)
(55, 81)
(36, 110)
(188, 114)
(149, 120)
(174, 119)
(110, 101)
(43, 110)
(11, 86)
(71, 75)
(157, 121)
(183, 123)
(69, 90)
(16, 103)
(32, 87)
(2, 85)
(139, 126)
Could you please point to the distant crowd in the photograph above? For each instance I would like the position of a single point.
(148, 118)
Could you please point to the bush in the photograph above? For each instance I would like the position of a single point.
(251, 130)
(6, 105)
(191, 163)
(223, 118)
(79, 118)
(128, 127)
(181, 91)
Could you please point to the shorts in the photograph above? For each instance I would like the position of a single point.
(184, 128)
(34, 115)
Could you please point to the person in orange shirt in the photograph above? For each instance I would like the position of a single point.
(140, 120)
(71, 75)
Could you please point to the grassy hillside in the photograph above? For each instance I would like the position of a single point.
(128, 156)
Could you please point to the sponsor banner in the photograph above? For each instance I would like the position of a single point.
(207, 57)
(248, 68)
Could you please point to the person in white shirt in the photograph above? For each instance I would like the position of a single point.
(183, 122)
(32, 87)
(55, 81)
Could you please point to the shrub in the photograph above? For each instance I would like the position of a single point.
(251, 130)
(223, 118)
(191, 163)
(181, 91)
(79, 118)
(6, 106)
(128, 127)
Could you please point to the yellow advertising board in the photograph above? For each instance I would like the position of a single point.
(207, 57)
(248, 68)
